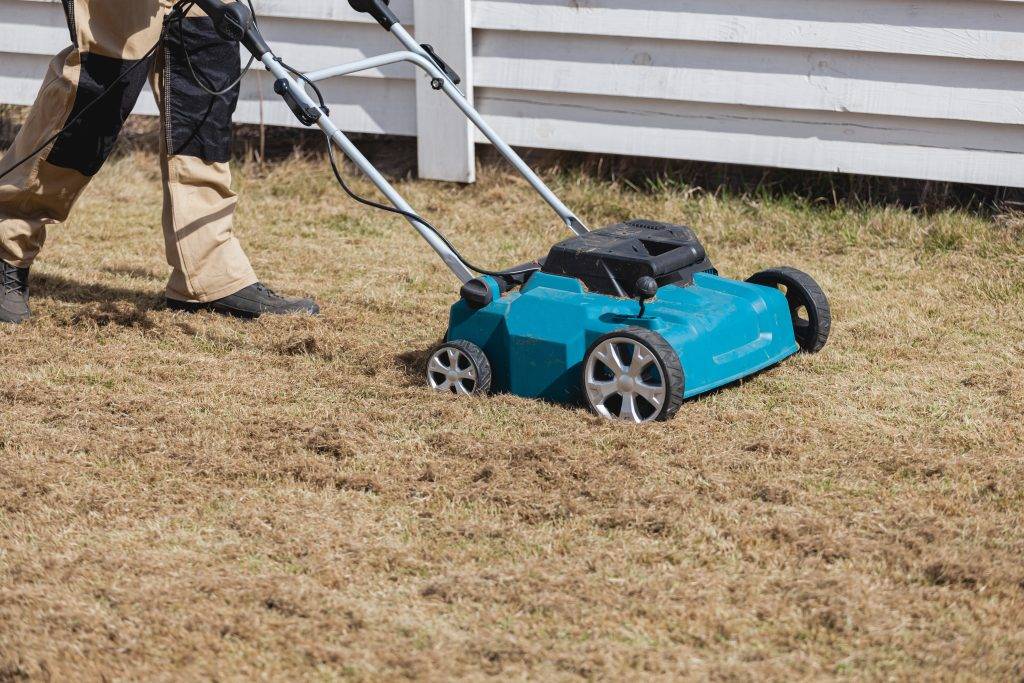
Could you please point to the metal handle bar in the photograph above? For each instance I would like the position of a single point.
(325, 124)
(420, 58)
(310, 113)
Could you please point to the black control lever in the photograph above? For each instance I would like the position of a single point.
(443, 66)
(646, 289)
(307, 116)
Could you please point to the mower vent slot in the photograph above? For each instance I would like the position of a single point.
(658, 248)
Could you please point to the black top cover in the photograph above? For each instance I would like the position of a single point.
(612, 260)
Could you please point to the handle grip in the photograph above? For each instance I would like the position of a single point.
(234, 21)
(378, 9)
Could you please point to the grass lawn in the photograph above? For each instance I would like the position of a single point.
(187, 496)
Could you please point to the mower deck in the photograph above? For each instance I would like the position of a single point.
(536, 339)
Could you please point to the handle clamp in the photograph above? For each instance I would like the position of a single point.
(307, 116)
(443, 66)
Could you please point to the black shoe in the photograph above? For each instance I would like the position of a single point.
(251, 302)
(13, 294)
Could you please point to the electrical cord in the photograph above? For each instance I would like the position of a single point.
(182, 10)
(417, 218)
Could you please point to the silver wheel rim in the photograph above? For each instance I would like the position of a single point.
(625, 381)
(451, 370)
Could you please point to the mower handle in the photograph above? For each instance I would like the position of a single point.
(378, 9)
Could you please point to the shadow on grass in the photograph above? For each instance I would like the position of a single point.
(100, 304)
(413, 363)
(71, 291)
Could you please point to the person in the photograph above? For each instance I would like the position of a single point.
(209, 269)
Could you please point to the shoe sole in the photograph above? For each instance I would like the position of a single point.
(198, 307)
(8, 319)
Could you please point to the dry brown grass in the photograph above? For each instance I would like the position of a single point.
(186, 497)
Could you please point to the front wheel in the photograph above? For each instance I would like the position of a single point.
(633, 375)
(808, 305)
(460, 368)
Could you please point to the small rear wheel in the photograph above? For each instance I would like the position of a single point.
(460, 368)
(633, 375)
(808, 305)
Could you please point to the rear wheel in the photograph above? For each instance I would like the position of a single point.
(808, 305)
(459, 368)
(633, 375)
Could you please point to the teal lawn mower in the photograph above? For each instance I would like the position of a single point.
(629, 320)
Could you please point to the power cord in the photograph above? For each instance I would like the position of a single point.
(384, 207)
(417, 218)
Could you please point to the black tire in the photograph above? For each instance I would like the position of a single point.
(669, 368)
(808, 305)
(467, 356)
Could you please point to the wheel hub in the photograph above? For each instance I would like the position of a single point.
(624, 381)
(450, 370)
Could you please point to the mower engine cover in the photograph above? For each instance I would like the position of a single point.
(612, 260)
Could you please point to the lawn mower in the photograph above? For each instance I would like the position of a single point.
(630, 319)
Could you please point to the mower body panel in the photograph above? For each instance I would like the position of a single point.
(536, 338)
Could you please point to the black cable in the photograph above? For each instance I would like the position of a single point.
(391, 209)
(85, 110)
(417, 219)
(188, 56)
(384, 207)
(99, 98)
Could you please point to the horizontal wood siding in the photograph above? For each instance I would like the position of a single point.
(929, 90)
(888, 87)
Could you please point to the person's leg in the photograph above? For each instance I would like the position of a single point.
(110, 37)
(207, 262)
(38, 193)
(108, 41)
(209, 269)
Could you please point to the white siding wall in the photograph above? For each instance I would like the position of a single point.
(922, 89)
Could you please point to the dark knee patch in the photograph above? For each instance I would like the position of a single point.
(87, 143)
(198, 124)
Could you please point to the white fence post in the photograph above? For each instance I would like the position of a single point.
(445, 136)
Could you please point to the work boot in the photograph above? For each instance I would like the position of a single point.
(251, 302)
(13, 294)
